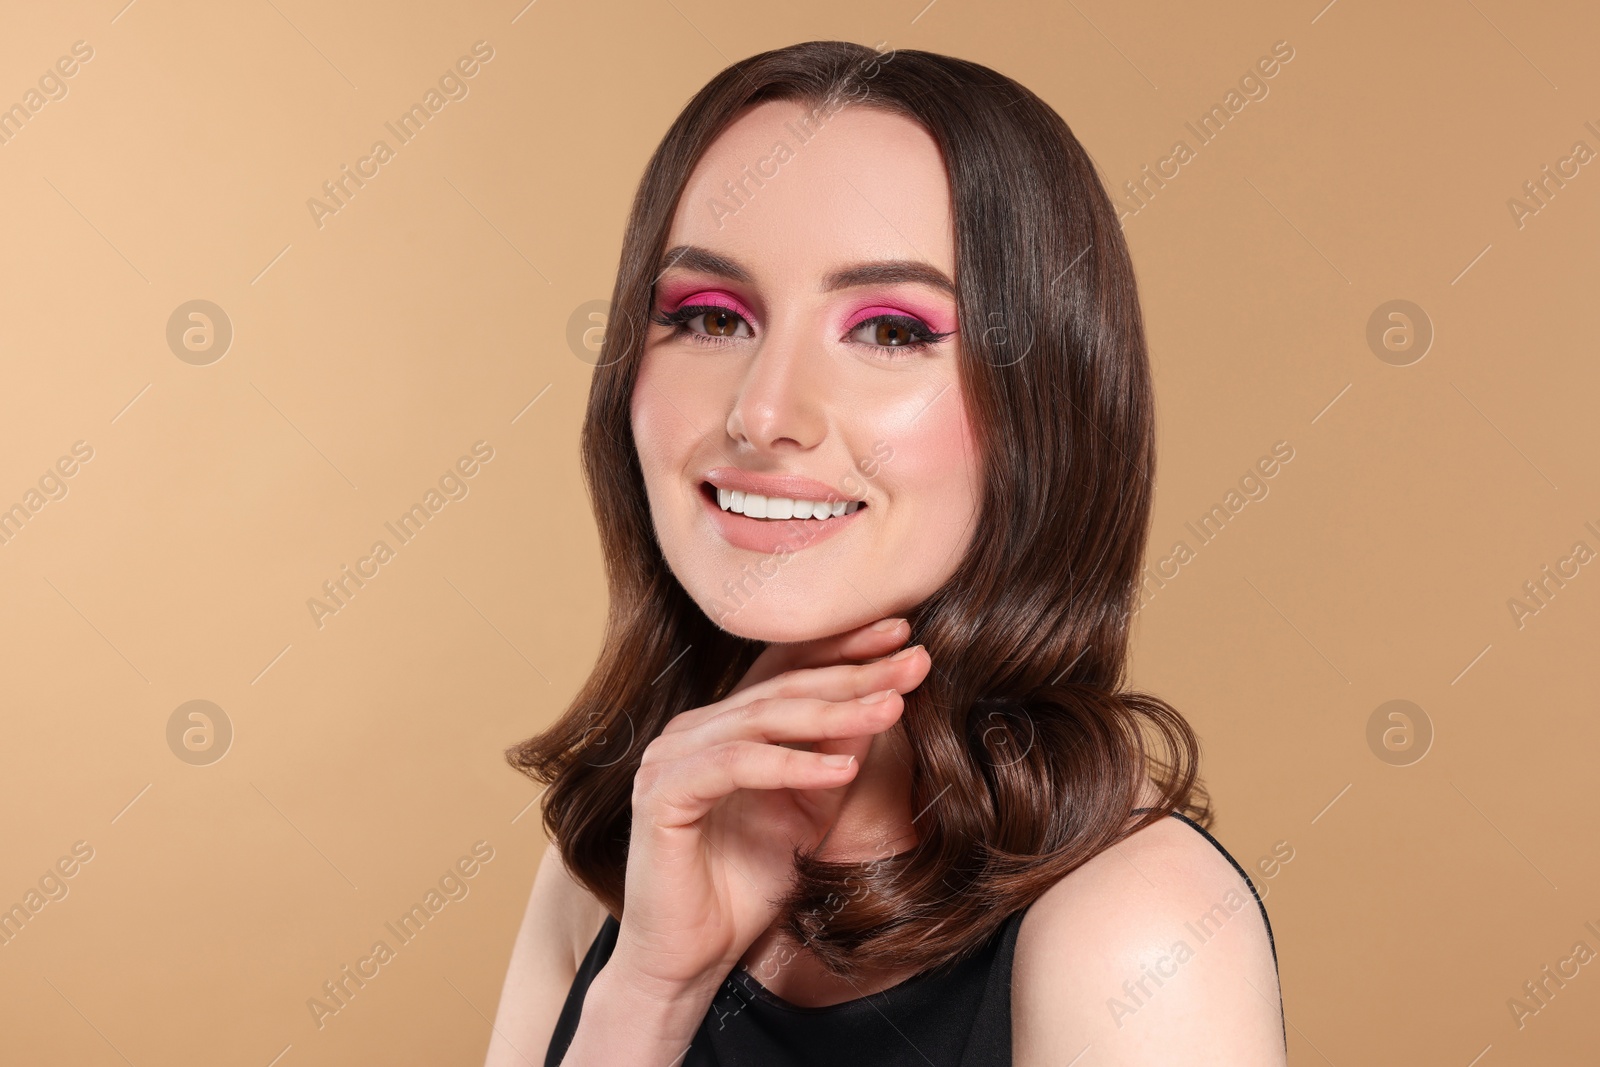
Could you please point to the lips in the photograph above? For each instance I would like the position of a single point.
(793, 486)
(775, 536)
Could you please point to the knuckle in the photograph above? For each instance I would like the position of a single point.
(644, 787)
(681, 721)
(729, 753)
(788, 683)
(647, 779)
(740, 715)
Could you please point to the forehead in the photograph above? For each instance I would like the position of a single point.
(792, 193)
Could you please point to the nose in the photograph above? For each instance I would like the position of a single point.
(780, 404)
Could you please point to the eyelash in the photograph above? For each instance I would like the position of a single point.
(922, 336)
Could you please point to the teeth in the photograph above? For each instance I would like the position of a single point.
(756, 506)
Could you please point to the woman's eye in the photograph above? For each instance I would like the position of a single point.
(716, 322)
(893, 331)
(718, 325)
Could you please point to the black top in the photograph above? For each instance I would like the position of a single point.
(947, 1017)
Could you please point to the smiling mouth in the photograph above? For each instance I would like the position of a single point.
(778, 508)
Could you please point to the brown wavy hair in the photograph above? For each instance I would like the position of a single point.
(1028, 754)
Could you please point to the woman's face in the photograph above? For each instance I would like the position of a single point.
(803, 273)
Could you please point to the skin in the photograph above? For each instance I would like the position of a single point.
(795, 391)
(798, 386)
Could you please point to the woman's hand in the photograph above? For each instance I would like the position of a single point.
(719, 801)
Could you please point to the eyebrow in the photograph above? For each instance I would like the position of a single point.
(876, 272)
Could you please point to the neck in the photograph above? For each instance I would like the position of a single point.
(874, 821)
(875, 818)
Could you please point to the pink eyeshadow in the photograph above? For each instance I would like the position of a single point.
(690, 295)
(938, 320)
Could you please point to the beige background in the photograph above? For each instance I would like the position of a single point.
(434, 308)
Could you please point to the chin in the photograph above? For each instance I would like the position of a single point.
(758, 622)
(778, 619)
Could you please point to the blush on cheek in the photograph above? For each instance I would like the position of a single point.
(673, 415)
(934, 466)
(651, 415)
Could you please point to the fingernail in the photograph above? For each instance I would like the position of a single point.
(877, 697)
(905, 653)
(885, 625)
(837, 760)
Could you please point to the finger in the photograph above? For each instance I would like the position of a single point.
(690, 787)
(828, 800)
(857, 746)
(787, 721)
(864, 642)
(903, 671)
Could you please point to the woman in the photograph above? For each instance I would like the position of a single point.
(870, 446)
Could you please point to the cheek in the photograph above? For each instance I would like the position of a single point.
(659, 429)
(934, 466)
(680, 406)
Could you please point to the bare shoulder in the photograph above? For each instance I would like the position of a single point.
(1153, 952)
(559, 923)
(580, 915)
